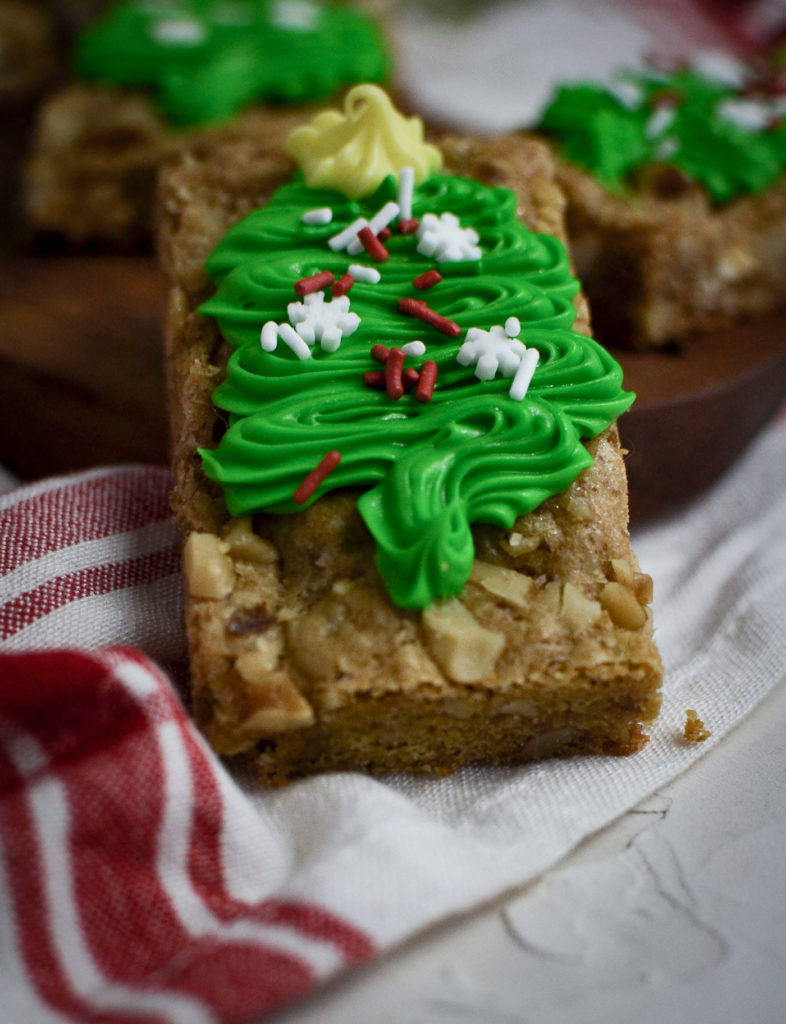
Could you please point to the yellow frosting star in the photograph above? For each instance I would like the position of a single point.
(355, 151)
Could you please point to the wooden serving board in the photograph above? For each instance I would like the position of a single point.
(81, 381)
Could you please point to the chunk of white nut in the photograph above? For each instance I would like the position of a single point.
(244, 543)
(512, 587)
(623, 607)
(465, 651)
(207, 567)
(578, 610)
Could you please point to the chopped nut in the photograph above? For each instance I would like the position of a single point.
(551, 597)
(207, 567)
(578, 610)
(517, 544)
(642, 587)
(694, 728)
(277, 706)
(621, 604)
(513, 587)
(464, 650)
(257, 664)
(622, 571)
(578, 506)
(244, 543)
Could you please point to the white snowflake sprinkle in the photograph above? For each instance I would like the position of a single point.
(325, 322)
(494, 351)
(491, 351)
(443, 239)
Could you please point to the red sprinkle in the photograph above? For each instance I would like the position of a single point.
(374, 378)
(427, 280)
(384, 234)
(428, 377)
(315, 283)
(315, 477)
(393, 367)
(372, 245)
(408, 227)
(410, 378)
(418, 308)
(380, 352)
(342, 286)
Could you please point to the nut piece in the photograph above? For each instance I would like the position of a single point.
(464, 650)
(257, 664)
(622, 571)
(622, 606)
(642, 587)
(512, 587)
(244, 543)
(578, 610)
(276, 706)
(207, 567)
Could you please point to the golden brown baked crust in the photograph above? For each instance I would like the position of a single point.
(97, 151)
(300, 663)
(669, 263)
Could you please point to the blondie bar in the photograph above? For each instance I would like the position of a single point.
(404, 505)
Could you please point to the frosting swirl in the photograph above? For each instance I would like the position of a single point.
(430, 470)
(207, 59)
(725, 133)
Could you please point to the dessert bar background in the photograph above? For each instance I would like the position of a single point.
(80, 336)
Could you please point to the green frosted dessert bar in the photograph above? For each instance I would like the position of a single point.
(676, 195)
(152, 80)
(397, 468)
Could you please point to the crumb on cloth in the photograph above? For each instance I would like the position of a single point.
(694, 730)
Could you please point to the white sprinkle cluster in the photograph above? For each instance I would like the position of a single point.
(322, 215)
(445, 240)
(314, 321)
(178, 31)
(495, 351)
(325, 322)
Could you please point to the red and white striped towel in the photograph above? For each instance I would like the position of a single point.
(126, 847)
(140, 879)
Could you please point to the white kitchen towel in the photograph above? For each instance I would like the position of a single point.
(140, 877)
